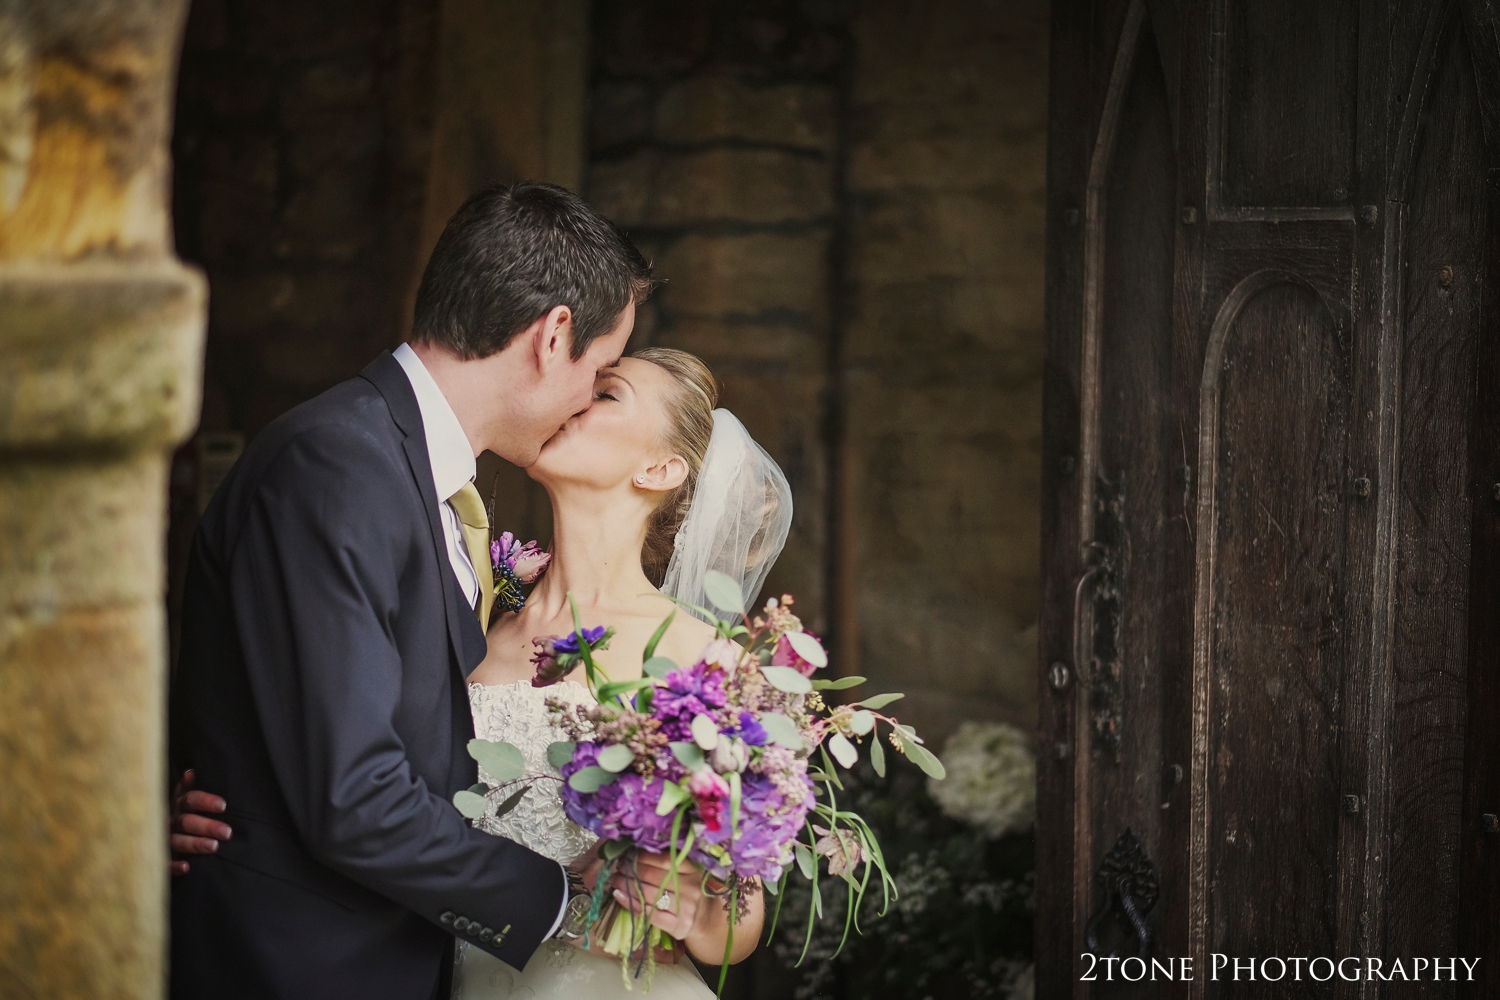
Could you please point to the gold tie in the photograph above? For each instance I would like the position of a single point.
(470, 511)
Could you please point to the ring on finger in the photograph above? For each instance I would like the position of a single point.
(664, 901)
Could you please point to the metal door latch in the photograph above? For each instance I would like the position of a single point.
(1128, 879)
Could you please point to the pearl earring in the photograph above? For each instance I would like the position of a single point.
(640, 480)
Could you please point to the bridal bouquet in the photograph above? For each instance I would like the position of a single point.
(728, 762)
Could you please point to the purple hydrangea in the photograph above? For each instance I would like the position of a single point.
(767, 829)
(624, 809)
(689, 691)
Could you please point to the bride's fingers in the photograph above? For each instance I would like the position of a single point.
(201, 826)
(181, 844)
(677, 919)
(203, 802)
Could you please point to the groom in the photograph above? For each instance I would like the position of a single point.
(333, 610)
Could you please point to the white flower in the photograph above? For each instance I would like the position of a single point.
(1022, 985)
(991, 781)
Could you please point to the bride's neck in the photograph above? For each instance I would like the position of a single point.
(596, 553)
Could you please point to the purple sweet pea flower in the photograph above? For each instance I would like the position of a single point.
(751, 731)
(569, 643)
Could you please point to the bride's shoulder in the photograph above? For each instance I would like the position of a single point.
(686, 638)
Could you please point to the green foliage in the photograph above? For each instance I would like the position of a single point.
(961, 925)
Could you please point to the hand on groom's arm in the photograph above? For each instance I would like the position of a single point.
(192, 832)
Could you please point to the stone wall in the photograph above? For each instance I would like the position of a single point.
(301, 154)
(714, 142)
(942, 353)
(846, 204)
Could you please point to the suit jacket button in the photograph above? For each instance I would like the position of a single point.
(487, 933)
(446, 918)
(461, 923)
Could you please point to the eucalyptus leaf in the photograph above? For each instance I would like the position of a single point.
(880, 700)
(590, 779)
(611, 849)
(786, 679)
(561, 752)
(687, 754)
(723, 592)
(833, 776)
(511, 802)
(780, 729)
(502, 760)
(615, 758)
(471, 805)
(877, 753)
(805, 861)
(838, 684)
(843, 750)
(480, 788)
(705, 731)
(658, 667)
(672, 796)
(861, 722)
(808, 648)
(923, 758)
(909, 733)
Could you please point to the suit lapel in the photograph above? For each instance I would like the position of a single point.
(465, 637)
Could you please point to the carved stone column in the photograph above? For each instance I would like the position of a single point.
(100, 364)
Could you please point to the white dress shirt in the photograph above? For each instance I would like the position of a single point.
(452, 459)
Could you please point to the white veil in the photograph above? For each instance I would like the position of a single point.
(738, 520)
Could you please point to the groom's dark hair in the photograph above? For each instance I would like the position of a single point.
(511, 254)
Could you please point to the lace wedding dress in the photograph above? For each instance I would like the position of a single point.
(517, 714)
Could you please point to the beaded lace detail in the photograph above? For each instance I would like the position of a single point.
(517, 714)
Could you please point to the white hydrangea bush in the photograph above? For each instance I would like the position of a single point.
(991, 781)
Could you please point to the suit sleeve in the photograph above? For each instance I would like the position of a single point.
(315, 582)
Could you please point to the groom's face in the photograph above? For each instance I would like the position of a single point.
(572, 383)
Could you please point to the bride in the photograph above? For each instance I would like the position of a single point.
(649, 478)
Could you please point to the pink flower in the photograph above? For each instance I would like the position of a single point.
(786, 656)
(709, 792)
(526, 562)
(722, 653)
(530, 562)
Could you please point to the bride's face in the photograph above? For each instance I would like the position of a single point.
(616, 439)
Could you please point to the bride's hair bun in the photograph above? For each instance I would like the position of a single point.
(690, 418)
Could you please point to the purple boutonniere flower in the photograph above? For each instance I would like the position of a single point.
(515, 565)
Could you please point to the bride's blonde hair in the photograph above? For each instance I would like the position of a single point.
(690, 425)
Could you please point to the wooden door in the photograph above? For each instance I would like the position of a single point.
(1270, 641)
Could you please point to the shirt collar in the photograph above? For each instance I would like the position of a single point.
(448, 446)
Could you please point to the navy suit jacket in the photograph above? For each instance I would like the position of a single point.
(321, 690)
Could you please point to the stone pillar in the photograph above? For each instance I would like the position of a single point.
(100, 365)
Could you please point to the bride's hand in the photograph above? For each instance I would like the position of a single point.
(191, 833)
(675, 906)
(685, 911)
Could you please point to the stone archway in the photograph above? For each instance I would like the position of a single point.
(100, 370)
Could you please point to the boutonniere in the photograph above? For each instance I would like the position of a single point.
(515, 565)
